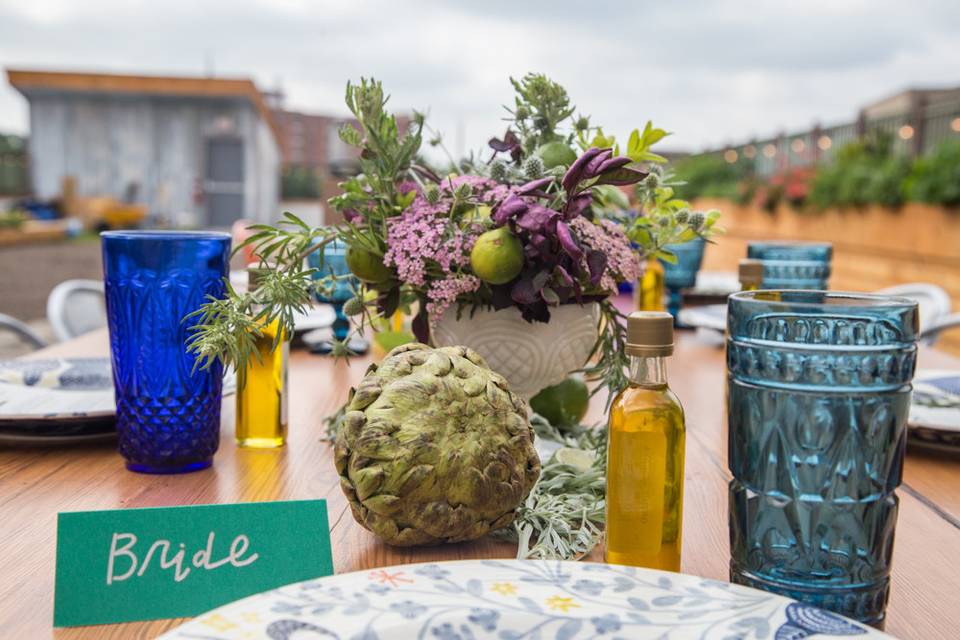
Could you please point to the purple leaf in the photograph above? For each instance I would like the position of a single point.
(550, 296)
(564, 276)
(574, 174)
(621, 176)
(535, 186)
(592, 170)
(421, 324)
(523, 291)
(597, 262)
(568, 242)
(577, 205)
(613, 163)
(508, 209)
(537, 218)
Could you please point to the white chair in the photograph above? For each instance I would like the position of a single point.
(75, 307)
(23, 331)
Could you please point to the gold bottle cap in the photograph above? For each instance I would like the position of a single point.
(751, 272)
(649, 334)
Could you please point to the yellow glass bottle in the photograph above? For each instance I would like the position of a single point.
(262, 400)
(650, 289)
(751, 274)
(645, 453)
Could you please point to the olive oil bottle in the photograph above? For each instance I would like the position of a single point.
(645, 453)
(649, 295)
(751, 274)
(262, 401)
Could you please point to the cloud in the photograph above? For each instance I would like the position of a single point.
(713, 72)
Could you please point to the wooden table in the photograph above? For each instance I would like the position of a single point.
(35, 484)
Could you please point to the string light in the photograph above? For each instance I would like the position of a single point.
(954, 124)
(906, 132)
(770, 150)
(730, 155)
(798, 145)
(824, 143)
(750, 151)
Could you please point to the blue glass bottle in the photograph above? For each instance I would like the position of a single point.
(818, 392)
(683, 274)
(168, 414)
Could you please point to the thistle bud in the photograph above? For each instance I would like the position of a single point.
(663, 221)
(652, 181)
(696, 221)
(498, 171)
(353, 307)
(683, 216)
(522, 113)
(533, 167)
(433, 194)
(582, 124)
(463, 191)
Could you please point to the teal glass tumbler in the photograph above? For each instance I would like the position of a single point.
(682, 274)
(795, 274)
(818, 391)
(812, 251)
(168, 411)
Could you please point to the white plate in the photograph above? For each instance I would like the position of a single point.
(935, 409)
(512, 599)
(711, 316)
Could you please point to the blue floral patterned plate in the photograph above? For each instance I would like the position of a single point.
(513, 599)
(56, 401)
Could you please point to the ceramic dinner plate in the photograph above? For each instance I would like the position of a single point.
(56, 401)
(511, 599)
(711, 316)
(935, 409)
(61, 401)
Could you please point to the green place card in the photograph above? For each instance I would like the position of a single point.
(172, 562)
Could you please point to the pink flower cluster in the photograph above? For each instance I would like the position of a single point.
(424, 238)
(608, 237)
(443, 293)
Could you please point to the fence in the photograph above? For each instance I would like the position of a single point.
(915, 131)
(13, 166)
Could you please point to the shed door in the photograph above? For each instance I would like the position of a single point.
(223, 184)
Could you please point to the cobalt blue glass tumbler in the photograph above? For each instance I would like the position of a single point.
(168, 414)
(818, 391)
(683, 274)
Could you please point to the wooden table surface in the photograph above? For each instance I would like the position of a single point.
(35, 484)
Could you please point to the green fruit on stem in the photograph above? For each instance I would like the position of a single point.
(556, 154)
(563, 404)
(367, 265)
(434, 447)
(497, 256)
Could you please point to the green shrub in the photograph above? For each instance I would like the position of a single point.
(299, 182)
(863, 172)
(936, 178)
(709, 175)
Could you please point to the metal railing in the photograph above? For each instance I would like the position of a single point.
(917, 132)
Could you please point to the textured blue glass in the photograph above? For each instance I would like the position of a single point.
(683, 274)
(168, 415)
(818, 390)
(334, 262)
(795, 274)
(814, 251)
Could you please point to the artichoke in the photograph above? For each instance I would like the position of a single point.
(434, 448)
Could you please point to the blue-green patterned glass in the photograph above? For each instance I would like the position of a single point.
(334, 263)
(683, 274)
(168, 413)
(818, 390)
(795, 274)
(813, 251)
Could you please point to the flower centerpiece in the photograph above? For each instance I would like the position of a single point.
(537, 226)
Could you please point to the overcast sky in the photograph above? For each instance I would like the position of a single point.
(712, 72)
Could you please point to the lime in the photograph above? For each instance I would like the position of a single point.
(497, 256)
(579, 459)
(563, 404)
(556, 154)
(367, 265)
